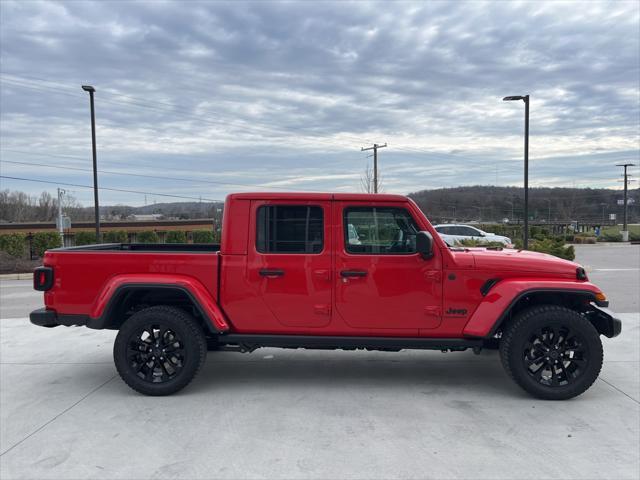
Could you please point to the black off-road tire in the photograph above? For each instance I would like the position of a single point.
(524, 340)
(138, 359)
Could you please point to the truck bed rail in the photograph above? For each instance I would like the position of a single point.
(145, 247)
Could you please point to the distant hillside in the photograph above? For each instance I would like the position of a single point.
(177, 209)
(170, 210)
(480, 203)
(496, 203)
(471, 203)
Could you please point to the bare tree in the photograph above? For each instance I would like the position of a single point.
(47, 206)
(366, 181)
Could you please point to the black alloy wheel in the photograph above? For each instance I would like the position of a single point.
(555, 356)
(552, 352)
(159, 350)
(156, 353)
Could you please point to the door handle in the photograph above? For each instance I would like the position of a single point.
(271, 272)
(353, 273)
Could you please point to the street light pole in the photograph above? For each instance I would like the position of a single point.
(91, 90)
(625, 231)
(525, 98)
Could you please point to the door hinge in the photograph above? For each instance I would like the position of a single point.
(435, 275)
(435, 311)
(322, 309)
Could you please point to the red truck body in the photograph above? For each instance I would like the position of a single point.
(336, 284)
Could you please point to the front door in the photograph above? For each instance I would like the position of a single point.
(291, 261)
(381, 281)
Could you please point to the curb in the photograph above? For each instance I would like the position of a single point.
(16, 276)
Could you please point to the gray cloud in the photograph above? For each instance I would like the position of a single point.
(260, 92)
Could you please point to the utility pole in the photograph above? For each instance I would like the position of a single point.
(548, 210)
(625, 231)
(61, 192)
(603, 205)
(479, 213)
(375, 163)
(511, 203)
(91, 90)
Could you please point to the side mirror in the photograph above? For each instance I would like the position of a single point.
(424, 244)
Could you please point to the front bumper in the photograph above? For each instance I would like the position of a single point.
(605, 322)
(49, 318)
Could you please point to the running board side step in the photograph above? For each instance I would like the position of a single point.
(249, 342)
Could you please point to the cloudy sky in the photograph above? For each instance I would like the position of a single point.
(202, 99)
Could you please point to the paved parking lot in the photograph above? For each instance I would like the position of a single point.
(64, 413)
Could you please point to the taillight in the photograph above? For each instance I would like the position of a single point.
(43, 278)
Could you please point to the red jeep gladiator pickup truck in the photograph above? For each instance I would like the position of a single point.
(330, 271)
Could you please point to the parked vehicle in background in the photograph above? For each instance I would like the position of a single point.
(328, 271)
(454, 234)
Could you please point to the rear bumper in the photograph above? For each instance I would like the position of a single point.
(606, 322)
(44, 318)
(49, 318)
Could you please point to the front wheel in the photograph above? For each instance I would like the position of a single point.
(552, 352)
(159, 350)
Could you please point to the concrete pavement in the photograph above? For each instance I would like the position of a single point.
(309, 414)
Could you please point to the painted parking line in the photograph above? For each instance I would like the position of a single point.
(615, 270)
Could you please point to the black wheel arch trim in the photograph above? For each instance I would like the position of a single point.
(585, 293)
(104, 320)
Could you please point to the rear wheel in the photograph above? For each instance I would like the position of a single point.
(159, 350)
(552, 352)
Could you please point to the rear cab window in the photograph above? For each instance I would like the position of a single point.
(290, 229)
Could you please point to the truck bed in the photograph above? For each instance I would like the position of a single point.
(82, 273)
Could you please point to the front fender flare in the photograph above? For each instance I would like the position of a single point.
(191, 286)
(496, 305)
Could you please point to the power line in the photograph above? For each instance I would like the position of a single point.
(46, 86)
(182, 111)
(192, 180)
(108, 188)
(201, 120)
(83, 159)
(206, 120)
(135, 101)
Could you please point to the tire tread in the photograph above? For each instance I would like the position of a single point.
(194, 330)
(520, 322)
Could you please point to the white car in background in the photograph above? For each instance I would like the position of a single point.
(453, 234)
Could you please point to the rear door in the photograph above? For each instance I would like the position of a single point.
(291, 260)
(381, 281)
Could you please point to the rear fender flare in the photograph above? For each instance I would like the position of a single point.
(500, 300)
(112, 291)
